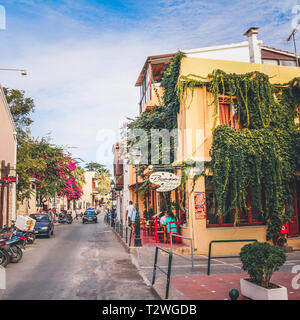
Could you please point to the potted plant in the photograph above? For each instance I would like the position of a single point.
(260, 260)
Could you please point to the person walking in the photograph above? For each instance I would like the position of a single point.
(130, 215)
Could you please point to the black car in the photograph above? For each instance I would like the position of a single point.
(89, 216)
(44, 225)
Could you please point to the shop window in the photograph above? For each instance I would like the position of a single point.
(211, 214)
(246, 216)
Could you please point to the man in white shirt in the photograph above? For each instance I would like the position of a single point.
(130, 213)
(163, 218)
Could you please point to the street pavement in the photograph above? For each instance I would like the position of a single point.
(80, 262)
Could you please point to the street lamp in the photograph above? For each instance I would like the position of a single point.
(136, 157)
(112, 189)
(23, 72)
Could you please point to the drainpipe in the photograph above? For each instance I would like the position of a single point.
(254, 45)
(14, 185)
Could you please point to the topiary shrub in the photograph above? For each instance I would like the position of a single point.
(260, 260)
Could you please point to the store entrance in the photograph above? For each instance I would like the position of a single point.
(294, 229)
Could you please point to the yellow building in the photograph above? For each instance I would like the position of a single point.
(199, 115)
(196, 119)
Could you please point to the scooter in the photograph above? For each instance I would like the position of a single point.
(28, 235)
(65, 218)
(6, 232)
(4, 256)
(13, 247)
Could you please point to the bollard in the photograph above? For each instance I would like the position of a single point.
(234, 294)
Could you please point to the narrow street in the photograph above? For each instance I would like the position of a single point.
(81, 261)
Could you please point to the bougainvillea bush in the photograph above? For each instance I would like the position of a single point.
(56, 174)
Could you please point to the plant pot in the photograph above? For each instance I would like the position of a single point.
(256, 292)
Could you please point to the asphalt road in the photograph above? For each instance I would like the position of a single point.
(81, 261)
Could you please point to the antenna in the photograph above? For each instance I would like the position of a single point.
(292, 36)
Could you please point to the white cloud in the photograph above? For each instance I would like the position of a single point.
(82, 78)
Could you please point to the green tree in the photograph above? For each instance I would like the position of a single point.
(102, 176)
(26, 161)
(51, 168)
(21, 108)
(97, 167)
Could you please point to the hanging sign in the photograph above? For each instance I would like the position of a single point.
(167, 181)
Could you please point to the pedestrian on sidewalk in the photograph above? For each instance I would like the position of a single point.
(130, 215)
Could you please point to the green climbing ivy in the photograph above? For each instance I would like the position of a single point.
(263, 157)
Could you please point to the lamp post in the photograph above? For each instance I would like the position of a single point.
(23, 72)
(112, 189)
(136, 157)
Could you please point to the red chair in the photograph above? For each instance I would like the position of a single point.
(143, 225)
(173, 226)
(159, 234)
(152, 226)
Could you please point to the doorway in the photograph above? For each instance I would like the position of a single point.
(294, 229)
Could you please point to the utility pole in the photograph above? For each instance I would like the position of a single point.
(292, 36)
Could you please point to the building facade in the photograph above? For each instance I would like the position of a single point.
(198, 118)
(8, 160)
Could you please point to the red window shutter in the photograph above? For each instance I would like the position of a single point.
(224, 114)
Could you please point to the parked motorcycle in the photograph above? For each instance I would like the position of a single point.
(65, 218)
(4, 256)
(13, 246)
(28, 235)
(8, 231)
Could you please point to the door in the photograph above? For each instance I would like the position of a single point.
(294, 223)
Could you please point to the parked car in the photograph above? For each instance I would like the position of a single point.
(44, 225)
(89, 216)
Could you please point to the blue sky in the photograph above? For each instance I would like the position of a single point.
(83, 57)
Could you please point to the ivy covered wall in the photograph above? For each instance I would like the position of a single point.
(262, 157)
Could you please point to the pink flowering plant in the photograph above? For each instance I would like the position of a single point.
(59, 175)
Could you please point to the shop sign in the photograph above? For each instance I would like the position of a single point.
(9, 178)
(285, 228)
(167, 181)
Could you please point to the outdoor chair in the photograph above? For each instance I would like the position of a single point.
(159, 234)
(173, 226)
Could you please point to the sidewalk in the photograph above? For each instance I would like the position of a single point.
(217, 286)
(188, 284)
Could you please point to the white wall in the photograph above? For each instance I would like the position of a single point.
(235, 52)
(87, 189)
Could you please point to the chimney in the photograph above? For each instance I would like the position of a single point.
(254, 47)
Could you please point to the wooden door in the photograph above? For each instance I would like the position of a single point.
(294, 223)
